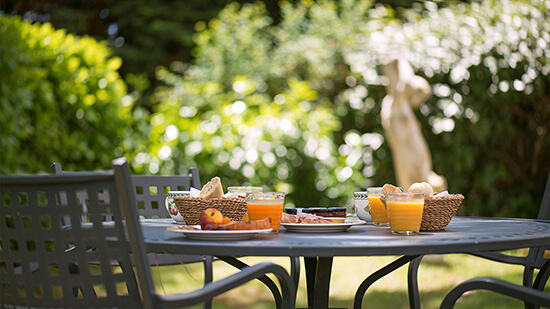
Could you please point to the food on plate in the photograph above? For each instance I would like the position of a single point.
(388, 188)
(249, 225)
(422, 187)
(213, 219)
(289, 218)
(212, 189)
(211, 216)
(333, 214)
(303, 218)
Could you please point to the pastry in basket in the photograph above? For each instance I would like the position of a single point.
(212, 189)
(422, 187)
(389, 188)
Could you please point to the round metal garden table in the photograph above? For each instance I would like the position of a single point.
(463, 235)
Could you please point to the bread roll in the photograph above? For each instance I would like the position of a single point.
(422, 187)
(389, 188)
(212, 189)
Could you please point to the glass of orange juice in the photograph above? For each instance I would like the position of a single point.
(405, 212)
(262, 205)
(377, 209)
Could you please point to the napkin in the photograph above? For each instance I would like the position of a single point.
(441, 194)
(194, 192)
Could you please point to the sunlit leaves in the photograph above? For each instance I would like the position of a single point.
(61, 99)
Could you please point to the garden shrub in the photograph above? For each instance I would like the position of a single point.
(295, 106)
(61, 98)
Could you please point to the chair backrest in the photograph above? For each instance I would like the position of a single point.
(39, 227)
(544, 210)
(536, 256)
(151, 190)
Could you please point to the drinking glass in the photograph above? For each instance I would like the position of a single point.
(263, 205)
(376, 207)
(405, 212)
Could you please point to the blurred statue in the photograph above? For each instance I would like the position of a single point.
(410, 152)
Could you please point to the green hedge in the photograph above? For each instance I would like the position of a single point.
(61, 98)
(317, 73)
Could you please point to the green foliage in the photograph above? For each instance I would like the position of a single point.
(295, 106)
(289, 103)
(61, 99)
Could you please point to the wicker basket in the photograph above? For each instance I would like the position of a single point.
(438, 212)
(191, 208)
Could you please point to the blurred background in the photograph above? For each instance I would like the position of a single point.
(282, 94)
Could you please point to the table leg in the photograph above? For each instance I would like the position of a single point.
(318, 271)
(412, 278)
(358, 300)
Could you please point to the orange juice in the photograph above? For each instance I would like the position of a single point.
(266, 205)
(377, 210)
(405, 213)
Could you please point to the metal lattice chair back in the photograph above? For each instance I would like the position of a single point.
(151, 190)
(150, 194)
(46, 233)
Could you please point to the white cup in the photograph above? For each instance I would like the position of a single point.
(171, 206)
(361, 205)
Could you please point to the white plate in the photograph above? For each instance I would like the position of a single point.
(220, 235)
(321, 228)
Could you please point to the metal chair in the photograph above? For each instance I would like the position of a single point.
(532, 296)
(533, 260)
(150, 193)
(37, 226)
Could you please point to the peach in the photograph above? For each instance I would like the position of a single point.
(212, 217)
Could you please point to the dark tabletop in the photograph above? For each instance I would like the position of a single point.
(463, 234)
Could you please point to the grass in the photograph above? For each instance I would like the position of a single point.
(437, 275)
